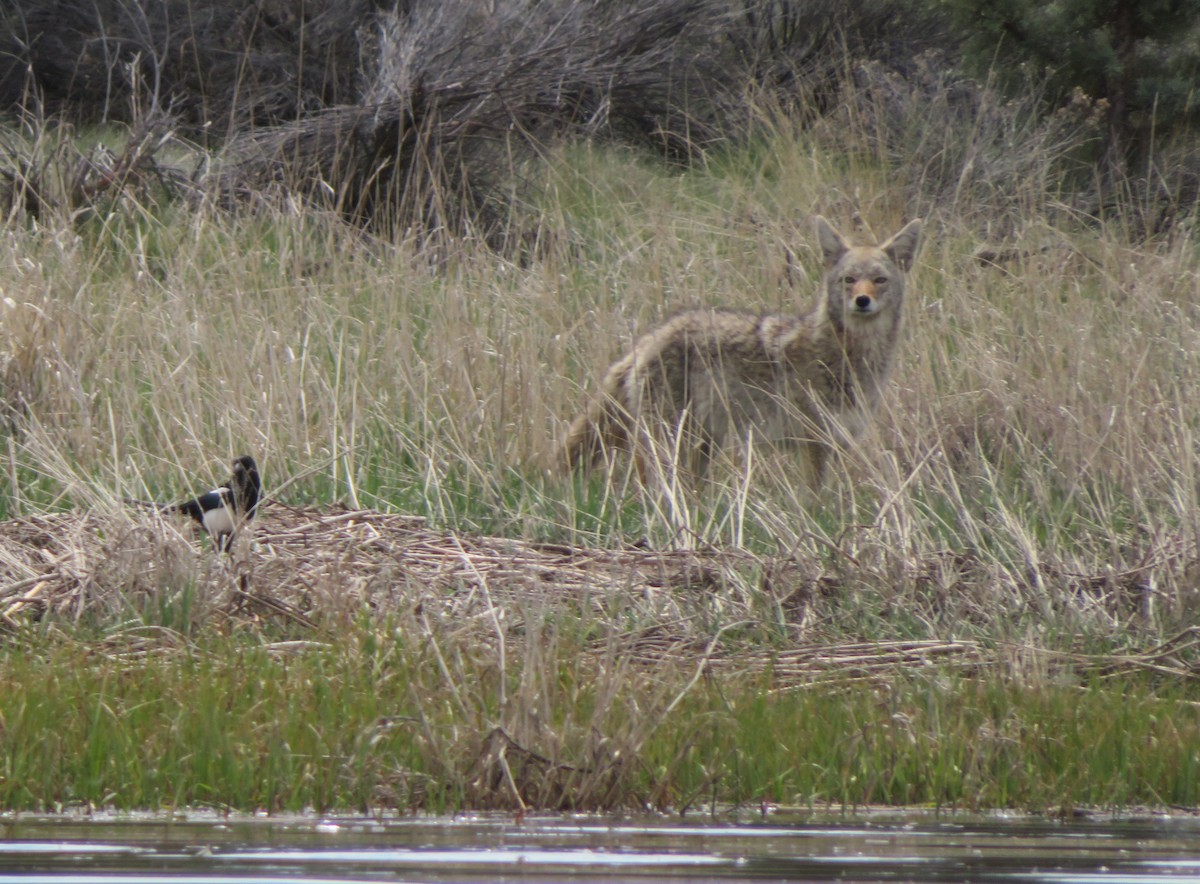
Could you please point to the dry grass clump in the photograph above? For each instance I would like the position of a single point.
(311, 572)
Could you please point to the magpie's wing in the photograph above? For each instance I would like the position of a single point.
(199, 507)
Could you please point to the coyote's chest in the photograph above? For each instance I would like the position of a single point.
(839, 371)
(778, 386)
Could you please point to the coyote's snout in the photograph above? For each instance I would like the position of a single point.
(707, 378)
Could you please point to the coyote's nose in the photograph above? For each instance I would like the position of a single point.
(864, 294)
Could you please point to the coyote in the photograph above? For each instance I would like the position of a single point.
(705, 378)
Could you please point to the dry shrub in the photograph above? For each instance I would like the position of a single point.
(48, 178)
(424, 118)
(460, 99)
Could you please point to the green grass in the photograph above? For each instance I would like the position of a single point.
(367, 721)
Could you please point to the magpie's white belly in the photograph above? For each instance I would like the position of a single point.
(218, 521)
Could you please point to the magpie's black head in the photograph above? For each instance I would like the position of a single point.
(246, 485)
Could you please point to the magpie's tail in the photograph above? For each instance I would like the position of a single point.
(147, 504)
(144, 504)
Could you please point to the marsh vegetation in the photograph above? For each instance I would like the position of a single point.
(991, 602)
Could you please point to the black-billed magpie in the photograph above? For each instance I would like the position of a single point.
(223, 510)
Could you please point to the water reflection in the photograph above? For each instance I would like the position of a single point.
(201, 847)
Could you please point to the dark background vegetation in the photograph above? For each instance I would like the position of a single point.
(419, 113)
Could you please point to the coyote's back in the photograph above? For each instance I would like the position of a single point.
(707, 378)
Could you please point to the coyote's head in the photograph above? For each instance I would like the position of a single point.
(863, 283)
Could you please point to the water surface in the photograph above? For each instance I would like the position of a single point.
(209, 848)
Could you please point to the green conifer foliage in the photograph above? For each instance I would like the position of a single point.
(1140, 59)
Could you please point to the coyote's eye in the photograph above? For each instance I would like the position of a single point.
(849, 280)
(880, 280)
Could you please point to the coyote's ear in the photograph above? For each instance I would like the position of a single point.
(902, 247)
(833, 244)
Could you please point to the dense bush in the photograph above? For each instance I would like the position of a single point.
(218, 65)
(1140, 59)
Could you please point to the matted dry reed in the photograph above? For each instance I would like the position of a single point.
(315, 569)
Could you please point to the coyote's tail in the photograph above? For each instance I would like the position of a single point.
(595, 434)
